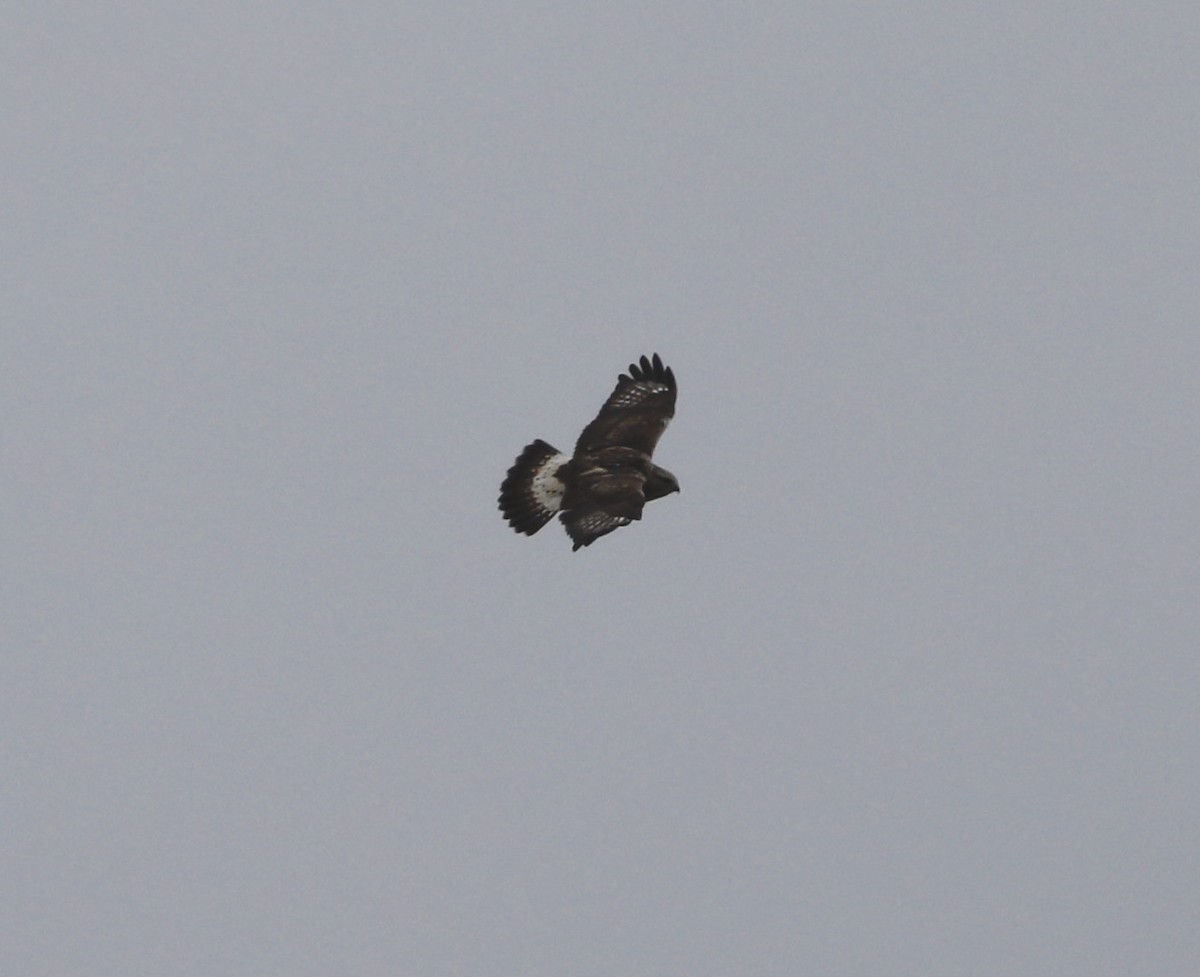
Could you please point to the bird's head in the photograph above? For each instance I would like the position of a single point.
(661, 482)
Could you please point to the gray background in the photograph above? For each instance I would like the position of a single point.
(904, 682)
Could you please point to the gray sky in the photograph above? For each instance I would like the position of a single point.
(903, 682)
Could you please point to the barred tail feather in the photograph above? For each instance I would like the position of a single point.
(532, 492)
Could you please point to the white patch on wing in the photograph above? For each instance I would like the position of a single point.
(635, 393)
(595, 522)
(545, 487)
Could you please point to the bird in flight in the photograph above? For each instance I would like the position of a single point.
(608, 480)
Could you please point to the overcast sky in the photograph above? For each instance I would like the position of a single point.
(904, 682)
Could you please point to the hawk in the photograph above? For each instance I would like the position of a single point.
(608, 480)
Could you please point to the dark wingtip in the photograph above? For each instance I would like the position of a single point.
(651, 368)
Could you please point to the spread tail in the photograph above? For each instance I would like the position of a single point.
(532, 492)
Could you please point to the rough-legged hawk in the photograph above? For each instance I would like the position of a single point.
(611, 476)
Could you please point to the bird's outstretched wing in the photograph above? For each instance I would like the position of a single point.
(636, 412)
(588, 524)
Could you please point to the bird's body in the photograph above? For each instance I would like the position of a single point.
(609, 479)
